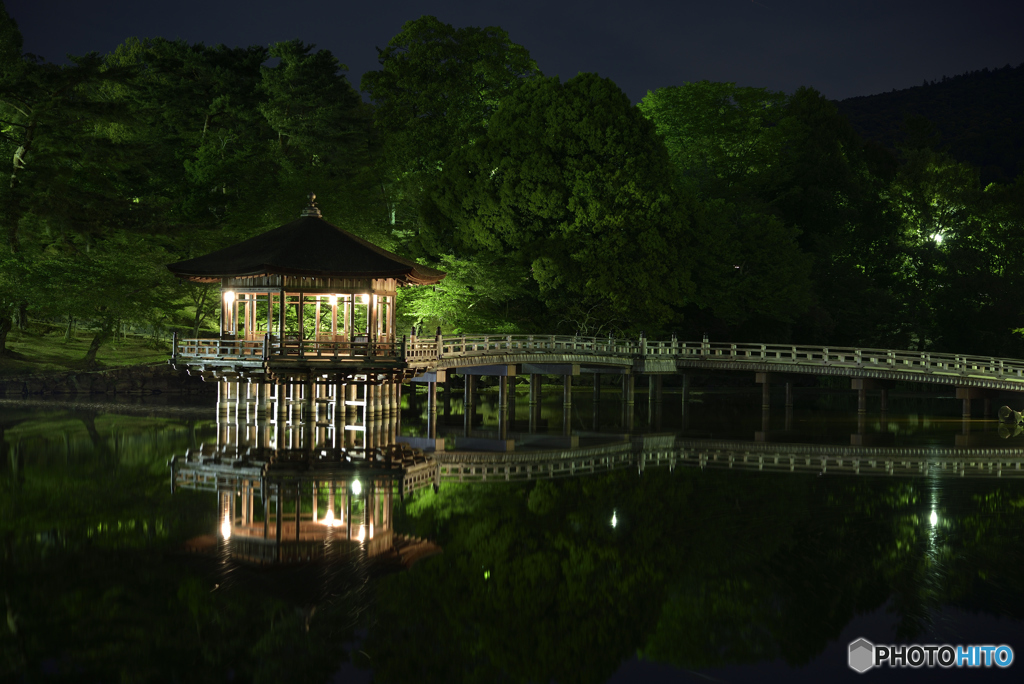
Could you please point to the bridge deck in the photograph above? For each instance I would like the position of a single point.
(638, 356)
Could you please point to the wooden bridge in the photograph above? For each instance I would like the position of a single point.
(477, 354)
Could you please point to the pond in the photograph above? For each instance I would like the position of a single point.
(699, 541)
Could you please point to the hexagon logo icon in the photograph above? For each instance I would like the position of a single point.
(862, 655)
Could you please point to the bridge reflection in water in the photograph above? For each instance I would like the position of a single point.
(297, 478)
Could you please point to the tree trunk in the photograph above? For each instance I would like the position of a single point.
(70, 329)
(199, 314)
(22, 316)
(5, 327)
(97, 341)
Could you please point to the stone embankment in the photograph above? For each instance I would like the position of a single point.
(129, 380)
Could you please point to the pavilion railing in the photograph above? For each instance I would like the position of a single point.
(310, 350)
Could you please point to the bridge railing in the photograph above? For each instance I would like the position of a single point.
(427, 350)
(852, 357)
(783, 354)
(483, 345)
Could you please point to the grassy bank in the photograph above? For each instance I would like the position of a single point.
(42, 349)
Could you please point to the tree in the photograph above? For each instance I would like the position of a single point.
(67, 171)
(436, 90)
(726, 145)
(438, 87)
(724, 141)
(569, 183)
(119, 280)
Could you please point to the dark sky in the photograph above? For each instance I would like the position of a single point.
(841, 47)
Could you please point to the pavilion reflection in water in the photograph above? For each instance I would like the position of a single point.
(305, 473)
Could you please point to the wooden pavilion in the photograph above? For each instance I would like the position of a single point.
(305, 296)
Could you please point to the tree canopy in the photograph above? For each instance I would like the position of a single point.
(555, 206)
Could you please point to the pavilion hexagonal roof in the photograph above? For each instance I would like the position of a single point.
(308, 246)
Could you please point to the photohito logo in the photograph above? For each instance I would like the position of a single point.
(864, 655)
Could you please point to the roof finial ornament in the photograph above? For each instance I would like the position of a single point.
(312, 209)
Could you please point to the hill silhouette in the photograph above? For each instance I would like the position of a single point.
(978, 117)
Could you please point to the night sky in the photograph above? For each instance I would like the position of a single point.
(843, 48)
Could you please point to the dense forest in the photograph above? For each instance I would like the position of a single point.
(741, 213)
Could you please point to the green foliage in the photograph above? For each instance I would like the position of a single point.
(740, 212)
(567, 184)
(724, 141)
(438, 87)
(726, 145)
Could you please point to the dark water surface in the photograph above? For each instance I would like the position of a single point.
(660, 564)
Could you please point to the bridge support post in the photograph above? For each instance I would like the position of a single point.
(351, 390)
(862, 385)
(502, 394)
(627, 401)
(432, 424)
(339, 416)
(566, 420)
(432, 398)
(512, 397)
(395, 421)
(597, 388)
(884, 399)
(535, 381)
(308, 414)
(372, 400)
(789, 394)
(467, 395)
(686, 390)
(567, 390)
(468, 409)
(968, 393)
(766, 394)
(260, 406)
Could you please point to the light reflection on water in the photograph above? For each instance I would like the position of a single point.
(898, 558)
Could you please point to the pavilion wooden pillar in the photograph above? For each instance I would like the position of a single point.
(371, 321)
(281, 314)
(350, 320)
(391, 319)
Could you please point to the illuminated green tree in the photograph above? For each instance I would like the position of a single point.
(435, 92)
(438, 87)
(569, 183)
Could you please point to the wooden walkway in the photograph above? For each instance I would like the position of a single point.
(674, 356)
(641, 356)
